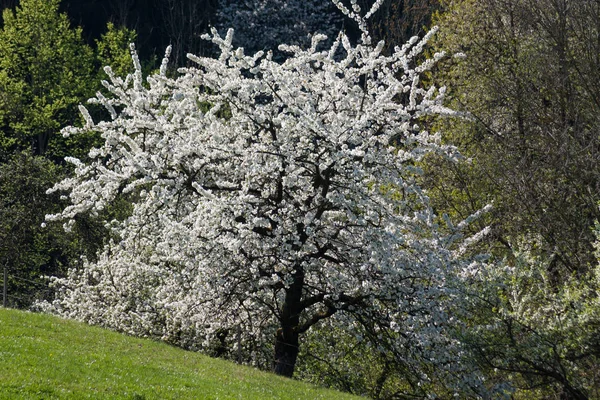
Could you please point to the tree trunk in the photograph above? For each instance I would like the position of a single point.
(286, 339)
(286, 352)
(40, 143)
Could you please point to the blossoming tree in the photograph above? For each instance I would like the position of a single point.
(269, 196)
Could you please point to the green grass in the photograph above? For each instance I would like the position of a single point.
(44, 357)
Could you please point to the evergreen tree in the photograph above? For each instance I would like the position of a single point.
(112, 49)
(45, 71)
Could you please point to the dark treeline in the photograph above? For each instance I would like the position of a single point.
(180, 23)
(158, 23)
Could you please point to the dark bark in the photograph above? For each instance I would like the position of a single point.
(286, 339)
(286, 351)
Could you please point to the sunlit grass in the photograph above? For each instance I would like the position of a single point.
(44, 357)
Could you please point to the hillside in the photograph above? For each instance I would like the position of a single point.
(44, 357)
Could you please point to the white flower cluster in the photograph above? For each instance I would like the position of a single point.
(272, 195)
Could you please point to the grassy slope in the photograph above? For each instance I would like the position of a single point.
(44, 357)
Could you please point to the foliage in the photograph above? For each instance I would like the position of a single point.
(268, 197)
(46, 70)
(348, 360)
(544, 337)
(530, 85)
(113, 49)
(44, 73)
(27, 250)
(46, 357)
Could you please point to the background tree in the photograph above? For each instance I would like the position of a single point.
(264, 24)
(540, 339)
(112, 49)
(29, 251)
(44, 73)
(158, 23)
(184, 21)
(397, 21)
(48, 70)
(529, 84)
